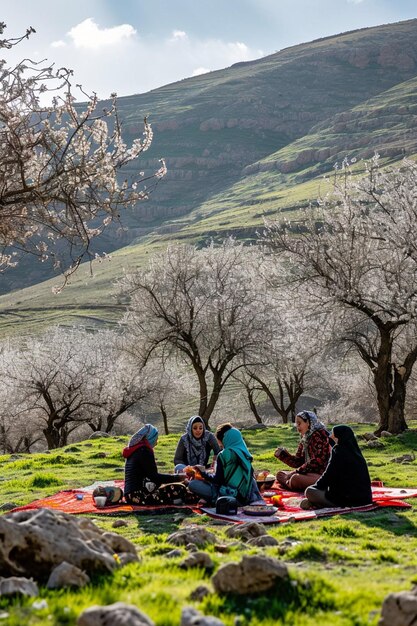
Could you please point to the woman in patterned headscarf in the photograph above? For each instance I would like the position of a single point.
(195, 446)
(312, 455)
(143, 483)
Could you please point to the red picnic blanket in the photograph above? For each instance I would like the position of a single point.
(81, 501)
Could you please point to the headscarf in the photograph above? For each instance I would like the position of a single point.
(236, 476)
(315, 424)
(196, 448)
(148, 432)
(346, 439)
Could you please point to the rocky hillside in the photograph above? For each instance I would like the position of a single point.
(227, 136)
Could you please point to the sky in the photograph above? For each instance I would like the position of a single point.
(133, 46)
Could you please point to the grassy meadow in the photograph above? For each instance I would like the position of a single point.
(341, 567)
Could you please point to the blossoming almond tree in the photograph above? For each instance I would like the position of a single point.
(61, 165)
(356, 260)
(208, 308)
(63, 381)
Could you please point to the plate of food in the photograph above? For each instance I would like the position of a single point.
(259, 509)
(264, 479)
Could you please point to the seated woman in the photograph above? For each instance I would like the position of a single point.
(346, 481)
(195, 446)
(234, 472)
(143, 483)
(312, 455)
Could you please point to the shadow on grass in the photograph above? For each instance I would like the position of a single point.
(391, 520)
(162, 520)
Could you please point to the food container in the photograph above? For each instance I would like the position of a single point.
(100, 501)
(267, 482)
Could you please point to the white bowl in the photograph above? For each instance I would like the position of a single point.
(100, 501)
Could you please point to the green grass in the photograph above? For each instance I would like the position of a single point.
(341, 568)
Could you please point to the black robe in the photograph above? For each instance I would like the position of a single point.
(346, 480)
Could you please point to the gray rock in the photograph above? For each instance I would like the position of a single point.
(246, 531)
(197, 535)
(375, 444)
(253, 574)
(399, 609)
(173, 554)
(36, 541)
(385, 433)
(192, 617)
(199, 593)
(197, 559)
(99, 434)
(8, 506)
(256, 426)
(67, 575)
(17, 585)
(119, 523)
(263, 541)
(404, 459)
(369, 437)
(117, 614)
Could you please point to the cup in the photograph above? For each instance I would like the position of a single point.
(100, 501)
(79, 496)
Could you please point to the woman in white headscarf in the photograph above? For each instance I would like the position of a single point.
(196, 445)
(143, 483)
(312, 455)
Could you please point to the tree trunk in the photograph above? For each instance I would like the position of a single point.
(252, 405)
(390, 388)
(391, 403)
(164, 417)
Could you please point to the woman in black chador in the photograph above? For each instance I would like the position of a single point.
(345, 482)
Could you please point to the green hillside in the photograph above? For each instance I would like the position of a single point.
(241, 143)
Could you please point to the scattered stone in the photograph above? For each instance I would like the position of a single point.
(16, 585)
(39, 605)
(246, 531)
(199, 593)
(385, 433)
(173, 554)
(117, 614)
(72, 449)
(399, 609)
(253, 574)
(67, 575)
(192, 617)
(375, 444)
(263, 541)
(222, 548)
(99, 434)
(119, 523)
(191, 547)
(99, 455)
(36, 541)
(198, 536)
(8, 506)
(369, 437)
(404, 459)
(256, 427)
(197, 559)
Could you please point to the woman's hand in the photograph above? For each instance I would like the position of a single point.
(278, 452)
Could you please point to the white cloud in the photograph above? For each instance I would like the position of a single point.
(178, 35)
(58, 44)
(88, 34)
(200, 70)
(239, 48)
